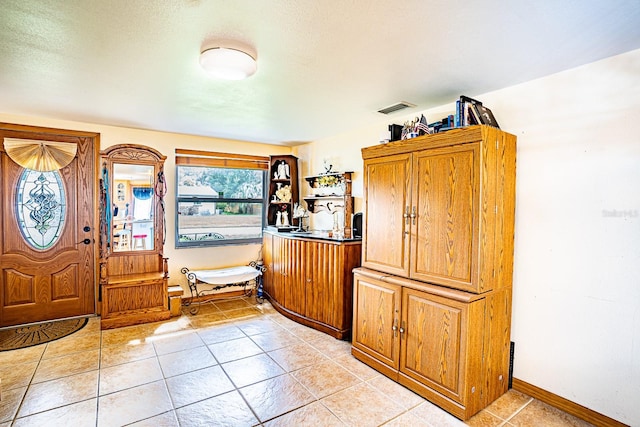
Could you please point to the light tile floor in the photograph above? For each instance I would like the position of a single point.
(234, 364)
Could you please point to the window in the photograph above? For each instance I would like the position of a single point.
(220, 198)
(41, 207)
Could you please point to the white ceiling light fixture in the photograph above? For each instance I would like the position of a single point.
(229, 63)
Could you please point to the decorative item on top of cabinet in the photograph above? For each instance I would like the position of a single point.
(437, 263)
(331, 193)
(282, 192)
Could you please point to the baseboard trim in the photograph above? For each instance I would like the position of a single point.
(565, 405)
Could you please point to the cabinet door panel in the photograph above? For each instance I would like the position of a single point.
(323, 280)
(315, 264)
(267, 256)
(386, 184)
(294, 286)
(277, 289)
(444, 235)
(376, 312)
(433, 341)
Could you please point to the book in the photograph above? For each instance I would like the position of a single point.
(482, 114)
(486, 116)
(473, 115)
(435, 126)
(469, 100)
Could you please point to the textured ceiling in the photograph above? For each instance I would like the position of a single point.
(324, 67)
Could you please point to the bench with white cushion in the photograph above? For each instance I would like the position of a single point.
(203, 282)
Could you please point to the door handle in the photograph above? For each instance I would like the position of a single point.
(86, 241)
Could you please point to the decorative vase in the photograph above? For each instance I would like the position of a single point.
(285, 219)
(278, 219)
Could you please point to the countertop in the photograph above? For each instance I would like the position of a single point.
(314, 234)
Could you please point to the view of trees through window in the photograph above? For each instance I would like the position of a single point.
(219, 206)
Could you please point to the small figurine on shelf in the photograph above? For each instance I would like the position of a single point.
(300, 214)
(282, 217)
(283, 170)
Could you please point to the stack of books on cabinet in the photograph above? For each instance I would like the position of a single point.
(468, 112)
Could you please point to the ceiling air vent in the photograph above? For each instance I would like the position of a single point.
(396, 107)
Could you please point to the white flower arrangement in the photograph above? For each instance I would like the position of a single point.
(284, 194)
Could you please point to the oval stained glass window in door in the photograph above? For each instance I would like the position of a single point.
(41, 207)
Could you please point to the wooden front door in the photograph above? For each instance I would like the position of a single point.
(47, 221)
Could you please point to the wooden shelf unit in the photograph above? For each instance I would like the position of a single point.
(337, 199)
(275, 205)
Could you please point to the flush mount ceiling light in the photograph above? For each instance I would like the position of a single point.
(228, 63)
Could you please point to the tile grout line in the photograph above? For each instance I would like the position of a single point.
(517, 412)
(24, 396)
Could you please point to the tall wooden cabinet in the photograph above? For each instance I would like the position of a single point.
(432, 303)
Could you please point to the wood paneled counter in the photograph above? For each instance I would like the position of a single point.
(310, 280)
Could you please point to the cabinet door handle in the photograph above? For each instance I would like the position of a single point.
(406, 215)
(402, 328)
(413, 216)
(394, 328)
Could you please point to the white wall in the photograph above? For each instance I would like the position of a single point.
(576, 301)
(166, 143)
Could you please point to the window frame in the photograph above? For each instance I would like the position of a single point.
(216, 160)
